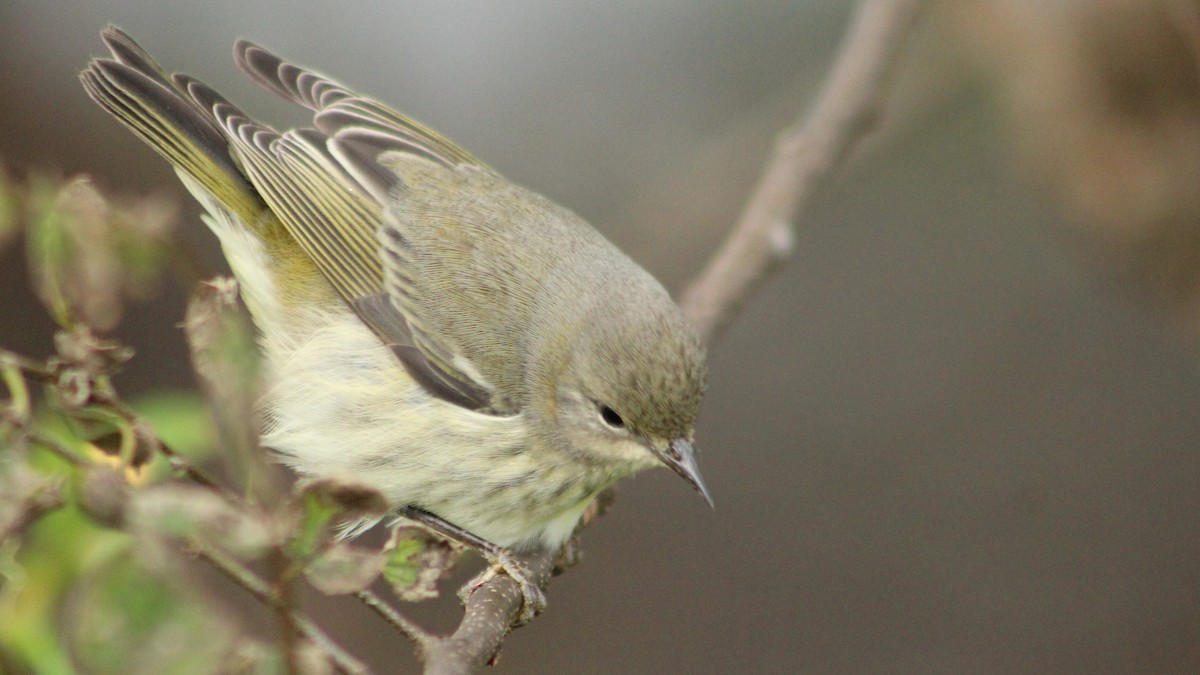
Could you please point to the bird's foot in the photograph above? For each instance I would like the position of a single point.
(502, 561)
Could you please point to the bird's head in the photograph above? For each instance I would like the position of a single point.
(630, 386)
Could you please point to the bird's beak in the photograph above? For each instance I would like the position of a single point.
(681, 457)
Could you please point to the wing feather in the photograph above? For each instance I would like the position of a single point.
(326, 185)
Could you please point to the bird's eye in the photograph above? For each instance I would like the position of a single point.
(611, 418)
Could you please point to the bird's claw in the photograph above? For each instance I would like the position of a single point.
(533, 598)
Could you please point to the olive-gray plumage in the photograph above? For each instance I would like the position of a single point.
(464, 345)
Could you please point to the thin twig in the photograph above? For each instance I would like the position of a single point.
(806, 157)
(41, 499)
(284, 605)
(178, 461)
(419, 637)
(27, 365)
(20, 407)
(56, 448)
(253, 584)
(189, 470)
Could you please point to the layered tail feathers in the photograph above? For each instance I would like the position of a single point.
(158, 108)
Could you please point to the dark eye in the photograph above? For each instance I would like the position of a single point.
(611, 418)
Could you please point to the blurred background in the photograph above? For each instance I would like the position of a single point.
(957, 433)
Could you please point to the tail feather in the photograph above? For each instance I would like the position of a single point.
(160, 110)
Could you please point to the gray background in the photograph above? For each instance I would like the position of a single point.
(946, 438)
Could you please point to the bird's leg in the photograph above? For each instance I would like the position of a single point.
(499, 560)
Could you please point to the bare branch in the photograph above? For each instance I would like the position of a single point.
(489, 615)
(806, 157)
(419, 637)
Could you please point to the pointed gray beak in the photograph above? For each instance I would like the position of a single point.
(681, 457)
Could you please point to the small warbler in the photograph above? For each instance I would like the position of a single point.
(479, 354)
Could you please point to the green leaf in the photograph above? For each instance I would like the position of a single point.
(416, 559)
(221, 341)
(314, 531)
(87, 252)
(49, 250)
(328, 505)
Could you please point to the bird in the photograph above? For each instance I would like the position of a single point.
(480, 355)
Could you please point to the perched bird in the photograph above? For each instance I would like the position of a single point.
(479, 354)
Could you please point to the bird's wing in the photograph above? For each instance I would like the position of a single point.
(324, 184)
(351, 134)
